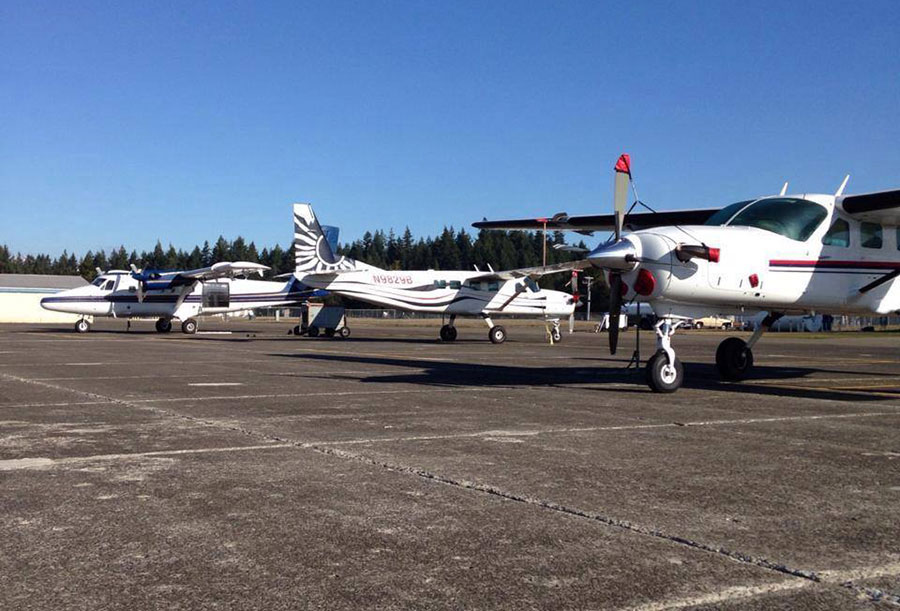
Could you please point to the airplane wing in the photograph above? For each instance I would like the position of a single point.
(880, 207)
(224, 269)
(534, 272)
(604, 222)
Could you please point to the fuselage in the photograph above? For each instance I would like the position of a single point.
(780, 264)
(450, 292)
(118, 295)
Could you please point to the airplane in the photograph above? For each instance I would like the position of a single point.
(457, 293)
(778, 254)
(182, 295)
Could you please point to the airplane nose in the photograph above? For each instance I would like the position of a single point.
(47, 304)
(619, 256)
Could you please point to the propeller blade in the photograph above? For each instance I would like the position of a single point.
(620, 196)
(615, 310)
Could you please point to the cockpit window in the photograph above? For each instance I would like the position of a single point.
(98, 281)
(793, 218)
(722, 216)
(838, 234)
(109, 285)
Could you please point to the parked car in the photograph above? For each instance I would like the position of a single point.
(713, 322)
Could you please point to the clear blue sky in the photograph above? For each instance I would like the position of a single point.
(128, 122)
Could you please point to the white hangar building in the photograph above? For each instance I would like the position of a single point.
(21, 294)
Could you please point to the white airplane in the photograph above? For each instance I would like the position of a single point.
(456, 293)
(182, 295)
(802, 253)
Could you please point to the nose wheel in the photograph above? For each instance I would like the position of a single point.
(664, 371)
(82, 326)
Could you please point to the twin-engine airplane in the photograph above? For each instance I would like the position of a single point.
(182, 295)
(777, 254)
(456, 293)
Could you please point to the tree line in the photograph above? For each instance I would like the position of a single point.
(450, 250)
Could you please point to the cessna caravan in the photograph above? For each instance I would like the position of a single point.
(800, 253)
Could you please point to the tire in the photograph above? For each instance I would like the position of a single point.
(296, 330)
(189, 327)
(344, 332)
(698, 325)
(734, 359)
(556, 334)
(661, 377)
(312, 331)
(497, 334)
(448, 333)
(163, 325)
(329, 332)
(82, 326)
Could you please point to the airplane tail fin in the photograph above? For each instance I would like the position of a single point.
(314, 246)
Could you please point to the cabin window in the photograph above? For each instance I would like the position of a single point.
(898, 238)
(792, 218)
(724, 215)
(493, 286)
(440, 284)
(475, 286)
(870, 235)
(455, 284)
(109, 285)
(838, 234)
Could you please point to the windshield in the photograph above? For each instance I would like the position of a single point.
(722, 216)
(100, 280)
(793, 218)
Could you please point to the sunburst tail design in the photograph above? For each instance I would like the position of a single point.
(313, 250)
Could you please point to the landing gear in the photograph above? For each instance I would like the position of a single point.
(555, 333)
(82, 326)
(344, 332)
(448, 331)
(189, 326)
(662, 376)
(496, 333)
(664, 371)
(163, 325)
(734, 359)
(312, 331)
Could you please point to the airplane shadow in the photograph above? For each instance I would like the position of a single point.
(698, 376)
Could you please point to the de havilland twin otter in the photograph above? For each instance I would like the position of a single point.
(830, 253)
(181, 295)
(455, 293)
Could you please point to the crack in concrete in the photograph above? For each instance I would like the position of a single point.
(873, 594)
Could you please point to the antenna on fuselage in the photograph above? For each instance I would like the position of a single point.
(783, 189)
(840, 190)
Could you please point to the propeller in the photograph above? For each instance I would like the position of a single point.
(620, 197)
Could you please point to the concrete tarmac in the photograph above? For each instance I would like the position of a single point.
(244, 468)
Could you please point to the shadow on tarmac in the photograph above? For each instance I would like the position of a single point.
(698, 376)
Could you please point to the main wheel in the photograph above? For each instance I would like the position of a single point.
(163, 325)
(448, 333)
(296, 330)
(556, 334)
(497, 334)
(82, 326)
(698, 325)
(312, 331)
(663, 377)
(734, 359)
(329, 332)
(344, 332)
(189, 326)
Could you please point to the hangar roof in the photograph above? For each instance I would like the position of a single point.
(40, 281)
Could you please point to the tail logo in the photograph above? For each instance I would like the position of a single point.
(312, 253)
